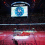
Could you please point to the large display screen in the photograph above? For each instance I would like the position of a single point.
(21, 11)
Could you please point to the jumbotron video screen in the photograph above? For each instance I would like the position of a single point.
(19, 11)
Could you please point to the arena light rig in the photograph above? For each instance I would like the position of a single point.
(4, 2)
(7, 4)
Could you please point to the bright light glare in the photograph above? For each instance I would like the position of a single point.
(20, 37)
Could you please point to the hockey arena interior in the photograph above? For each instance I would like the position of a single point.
(22, 22)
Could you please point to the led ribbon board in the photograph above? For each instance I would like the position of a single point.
(20, 3)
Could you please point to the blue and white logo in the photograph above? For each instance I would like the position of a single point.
(19, 11)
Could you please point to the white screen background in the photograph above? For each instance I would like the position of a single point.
(25, 11)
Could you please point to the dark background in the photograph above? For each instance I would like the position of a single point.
(36, 13)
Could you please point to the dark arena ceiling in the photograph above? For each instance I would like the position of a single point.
(35, 5)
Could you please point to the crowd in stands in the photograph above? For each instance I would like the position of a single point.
(9, 20)
(24, 27)
(31, 19)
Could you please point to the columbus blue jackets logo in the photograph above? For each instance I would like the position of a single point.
(19, 11)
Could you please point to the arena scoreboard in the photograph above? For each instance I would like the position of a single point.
(19, 9)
